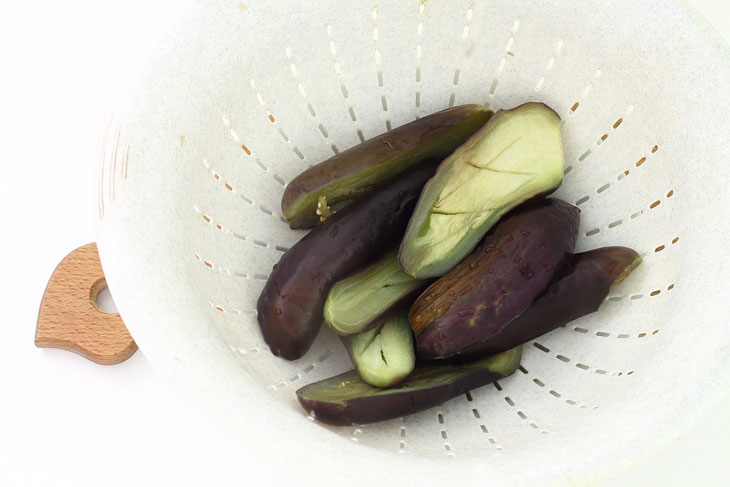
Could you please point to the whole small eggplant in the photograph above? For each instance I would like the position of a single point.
(506, 273)
(579, 292)
(290, 305)
(347, 399)
(355, 172)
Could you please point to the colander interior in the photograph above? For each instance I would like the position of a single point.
(241, 97)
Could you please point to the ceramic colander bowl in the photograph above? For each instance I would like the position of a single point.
(238, 98)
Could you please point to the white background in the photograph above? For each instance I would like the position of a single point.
(67, 421)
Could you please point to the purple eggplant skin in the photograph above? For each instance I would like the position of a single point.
(579, 292)
(291, 303)
(355, 172)
(346, 399)
(515, 263)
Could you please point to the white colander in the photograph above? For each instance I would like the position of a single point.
(240, 97)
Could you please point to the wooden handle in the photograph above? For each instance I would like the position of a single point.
(69, 317)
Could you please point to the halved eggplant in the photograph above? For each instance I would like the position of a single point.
(357, 302)
(347, 399)
(516, 156)
(355, 172)
(384, 355)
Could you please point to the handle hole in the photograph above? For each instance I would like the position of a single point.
(105, 302)
(101, 298)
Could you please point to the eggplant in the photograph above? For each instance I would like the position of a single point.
(346, 399)
(579, 292)
(355, 172)
(514, 157)
(291, 302)
(517, 261)
(357, 302)
(384, 356)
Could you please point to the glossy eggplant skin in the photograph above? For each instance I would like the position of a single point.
(579, 292)
(514, 264)
(346, 399)
(355, 172)
(291, 303)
